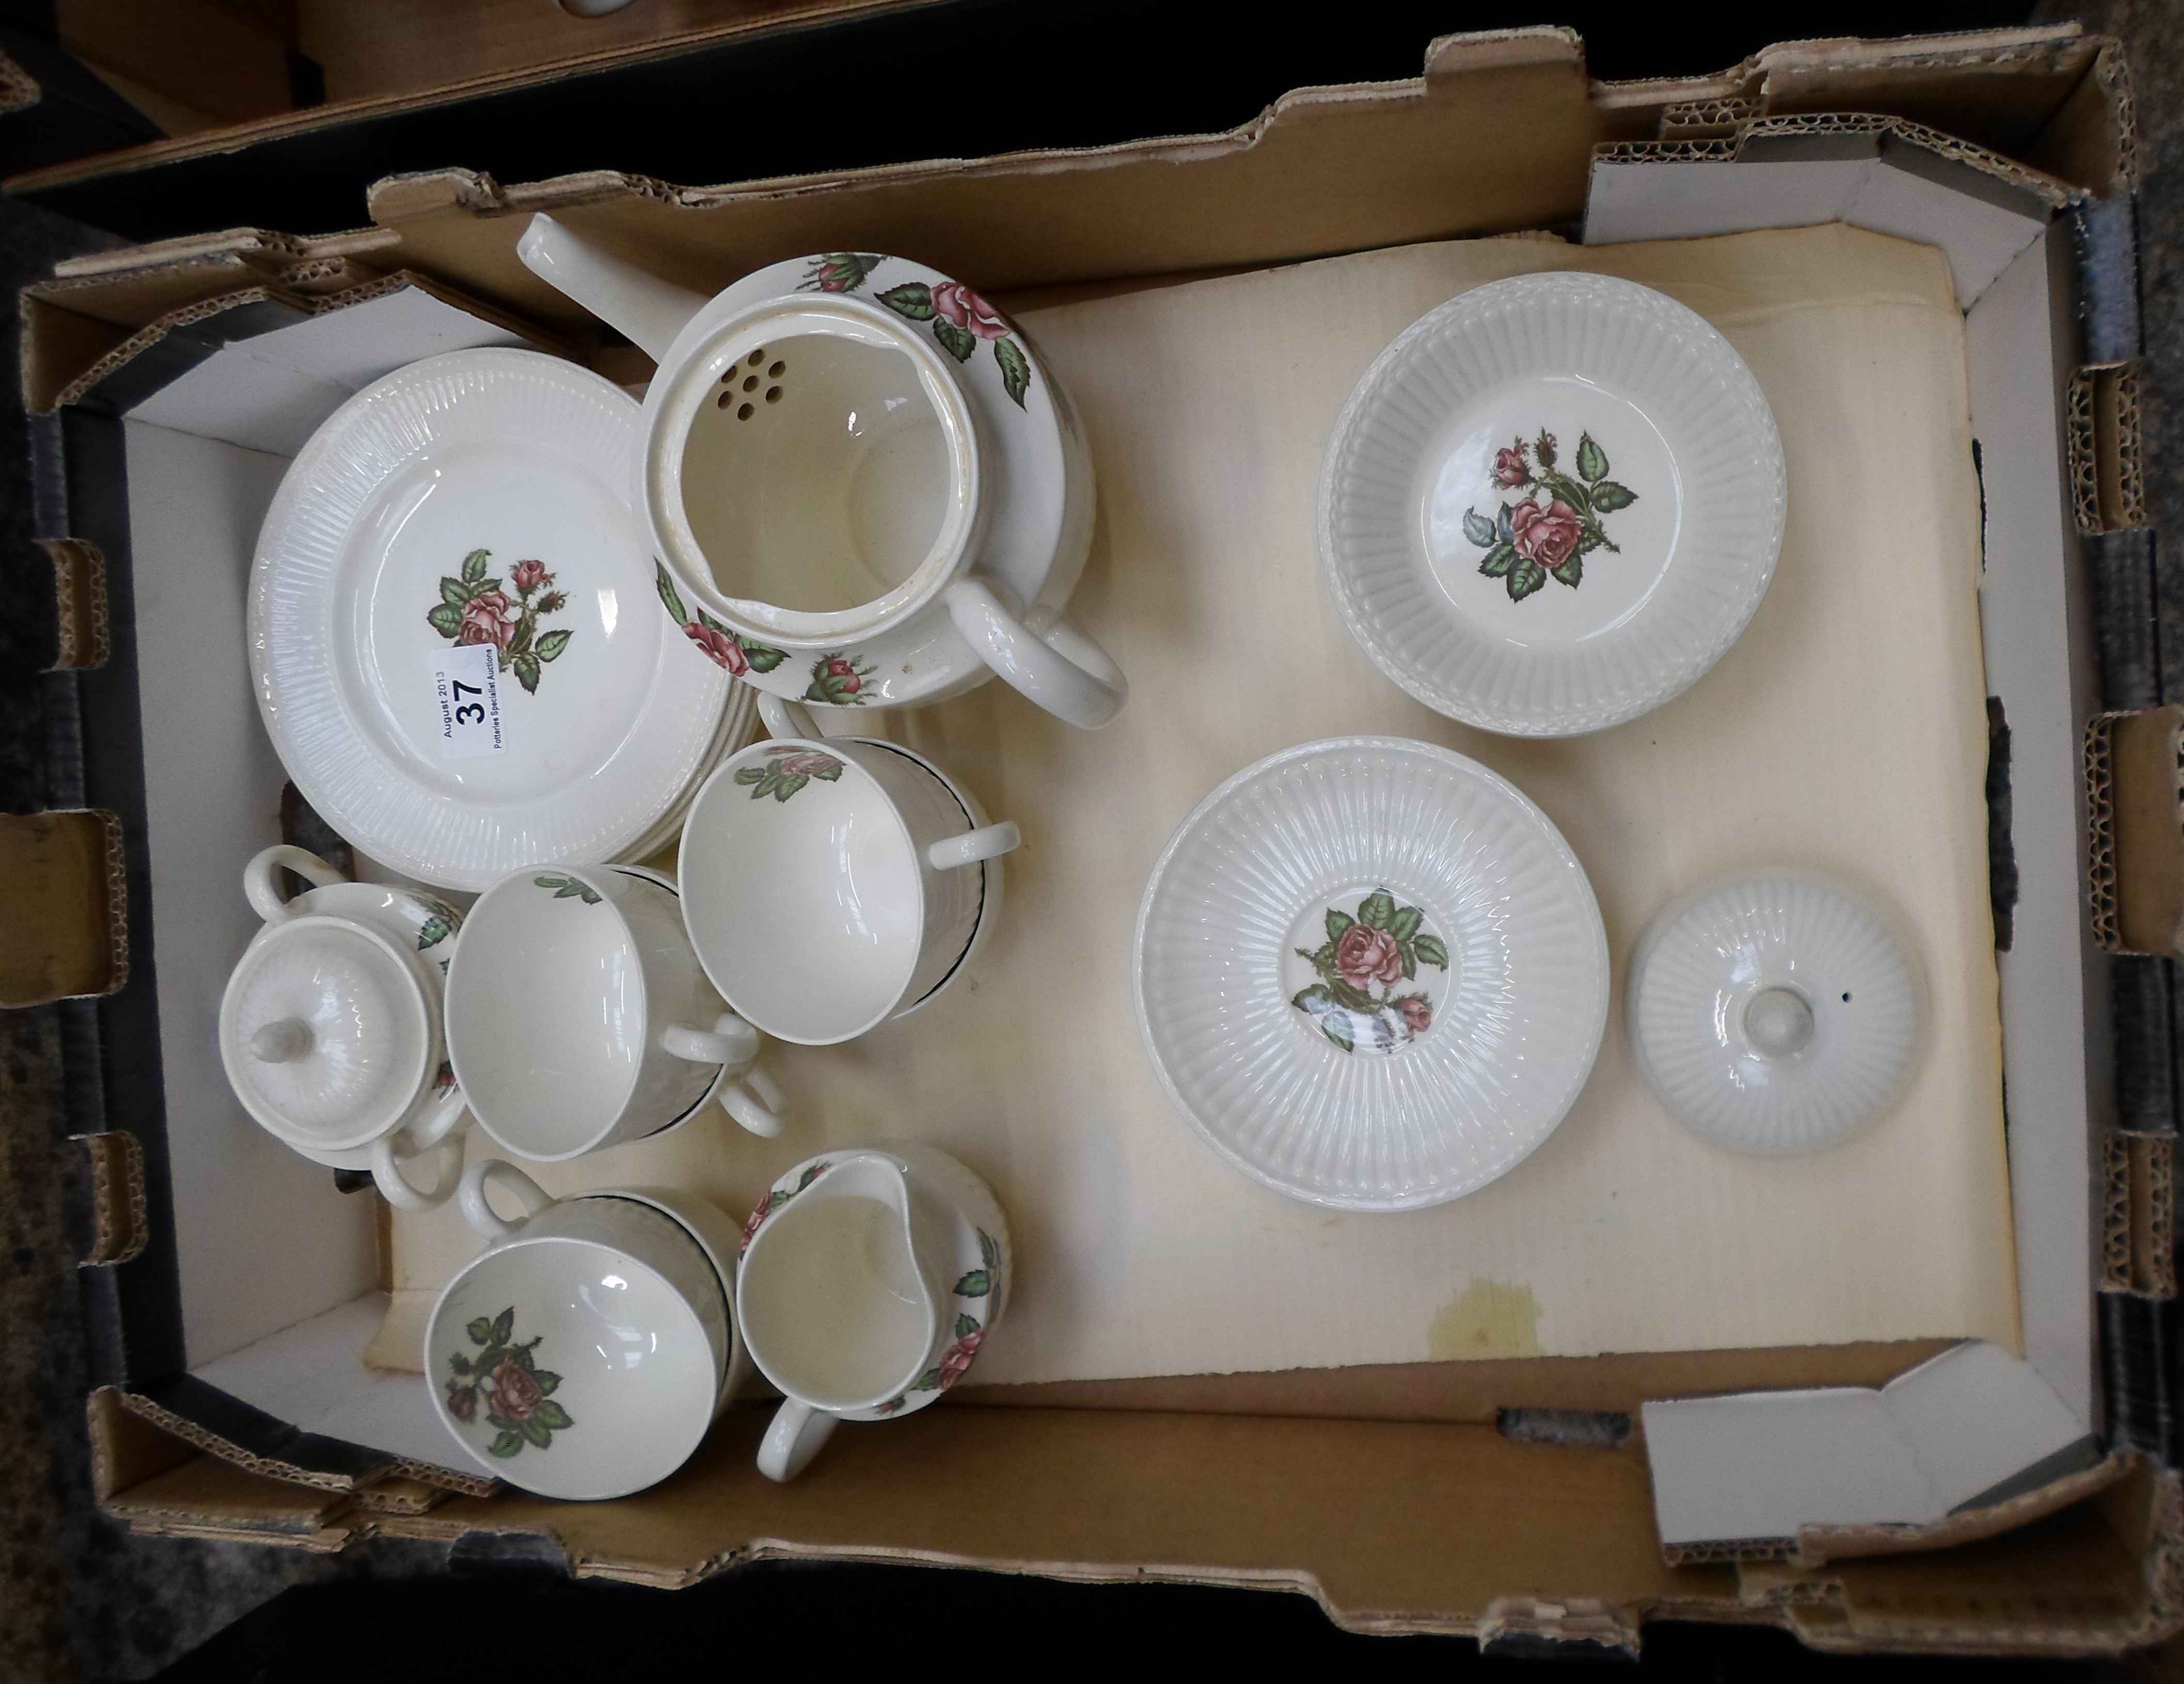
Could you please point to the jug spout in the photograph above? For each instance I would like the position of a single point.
(649, 310)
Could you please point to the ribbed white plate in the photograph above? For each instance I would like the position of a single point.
(1423, 1104)
(1698, 969)
(1642, 557)
(526, 457)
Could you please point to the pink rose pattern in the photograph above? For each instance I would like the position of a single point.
(1548, 533)
(1369, 997)
(476, 610)
(839, 681)
(737, 656)
(983, 1282)
(959, 319)
(504, 1378)
(782, 776)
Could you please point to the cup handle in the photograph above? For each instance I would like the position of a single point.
(1059, 668)
(260, 889)
(987, 842)
(404, 1194)
(480, 1214)
(794, 1438)
(784, 718)
(430, 1130)
(731, 1041)
(756, 1102)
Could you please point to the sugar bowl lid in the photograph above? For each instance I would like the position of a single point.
(325, 1033)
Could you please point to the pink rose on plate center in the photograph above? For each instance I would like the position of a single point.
(723, 649)
(1417, 1015)
(529, 575)
(1547, 536)
(1365, 955)
(487, 618)
(957, 304)
(515, 1393)
(1510, 467)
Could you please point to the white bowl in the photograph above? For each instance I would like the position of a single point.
(1772, 1014)
(1483, 975)
(1623, 551)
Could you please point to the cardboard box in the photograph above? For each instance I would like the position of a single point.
(1497, 1498)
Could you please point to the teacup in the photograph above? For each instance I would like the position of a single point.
(825, 882)
(868, 1281)
(330, 1026)
(855, 470)
(578, 1017)
(586, 1351)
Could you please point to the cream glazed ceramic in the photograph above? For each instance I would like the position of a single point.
(454, 633)
(864, 483)
(577, 1017)
(330, 1026)
(1370, 973)
(1552, 504)
(868, 1280)
(1773, 1012)
(831, 884)
(585, 1353)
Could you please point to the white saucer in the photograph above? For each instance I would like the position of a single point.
(1039, 520)
(1772, 1014)
(1405, 1065)
(1552, 504)
(367, 563)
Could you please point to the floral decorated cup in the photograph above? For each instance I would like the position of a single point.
(330, 1026)
(868, 1281)
(830, 884)
(862, 480)
(586, 1351)
(578, 1018)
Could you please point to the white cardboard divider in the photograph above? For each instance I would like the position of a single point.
(1762, 1464)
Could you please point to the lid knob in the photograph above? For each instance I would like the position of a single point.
(1779, 1023)
(282, 1042)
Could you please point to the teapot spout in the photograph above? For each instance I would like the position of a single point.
(647, 309)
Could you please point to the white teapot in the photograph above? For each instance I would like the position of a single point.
(864, 484)
(331, 1031)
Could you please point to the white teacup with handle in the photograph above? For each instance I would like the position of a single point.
(868, 1283)
(578, 1017)
(330, 1027)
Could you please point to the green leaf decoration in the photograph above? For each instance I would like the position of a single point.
(549, 1382)
(1337, 1030)
(432, 932)
(1567, 490)
(1337, 922)
(480, 1330)
(1525, 578)
(504, 1325)
(809, 1175)
(507, 1444)
(446, 619)
(1478, 528)
(521, 642)
(474, 566)
(551, 1415)
(1499, 560)
(537, 1432)
(975, 1285)
(526, 671)
(965, 1326)
(785, 787)
(459, 1365)
(840, 271)
(568, 888)
(1355, 1000)
(1607, 496)
(553, 643)
(928, 1381)
(1316, 999)
(1432, 951)
(669, 599)
(1570, 573)
(1377, 911)
(454, 593)
(761, 658)
(1405, 924)
(1591, 459)
(1504, 532)
(958, 343)
(1545, 448)
(989, 1248)
(1016, 368)
(913, 298)
(749, 774)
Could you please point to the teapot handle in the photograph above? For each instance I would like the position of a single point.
(480, 1214)
(262, 891)
(1058, 667)
(794, 1438)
